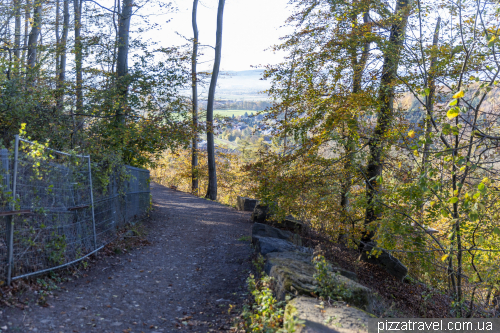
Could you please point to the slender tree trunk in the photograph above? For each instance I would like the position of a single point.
(194, 83)
(212, 173)
(58, 37)
(26, 27)
(429, 99)
(34, 34)
(116, 9)
(17, 33)
(122, 59)
(62, 50)
(287, 106)
(78, 55)
(392, 55)
(358, 66)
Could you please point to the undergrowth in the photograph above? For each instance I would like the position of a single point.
(262, 311)
(329, 286)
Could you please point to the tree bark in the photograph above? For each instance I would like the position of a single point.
(194, 83)
(358, 66)
(26, 27)
(17, 32)
(429, 99)
(78, 55)
(122, 58)
(392, 54)
(212, 173)
(35, 32)
(62, 56)
(58, 37)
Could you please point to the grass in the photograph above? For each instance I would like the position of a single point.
(244, 238)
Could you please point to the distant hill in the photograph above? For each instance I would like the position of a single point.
(241, 86)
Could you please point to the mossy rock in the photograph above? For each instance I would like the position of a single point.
(355, 293)
(294, 274)
(291, 276)
(321, 318)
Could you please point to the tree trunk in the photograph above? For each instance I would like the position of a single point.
(392, 55)
(26, 27)
(212, 173)
(35, 32)
(17, 32)
(62, 57)
(194, 83)
(58, 37)
(78, 55)
(358, 66)
(429, 99)
(122, 58)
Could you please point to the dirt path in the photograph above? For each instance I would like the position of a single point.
(193, 270)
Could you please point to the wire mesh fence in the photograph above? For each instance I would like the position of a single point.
(52, 215)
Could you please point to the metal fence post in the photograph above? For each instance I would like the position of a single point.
(92, 204)
(10, 220)
(4, 163)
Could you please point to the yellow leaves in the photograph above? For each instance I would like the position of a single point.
(459, 94)
(411, 134)
(453, 112)
(443, 258)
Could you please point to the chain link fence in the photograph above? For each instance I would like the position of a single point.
(51, 216)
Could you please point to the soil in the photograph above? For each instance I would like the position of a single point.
(190, 277)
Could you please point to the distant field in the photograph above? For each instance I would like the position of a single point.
(229, 113)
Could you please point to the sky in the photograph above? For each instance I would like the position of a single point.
(249, 28)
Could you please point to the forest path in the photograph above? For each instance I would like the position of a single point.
(193, 270)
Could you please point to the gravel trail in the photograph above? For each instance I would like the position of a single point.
(189, 278)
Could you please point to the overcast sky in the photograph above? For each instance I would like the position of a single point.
(250, 27)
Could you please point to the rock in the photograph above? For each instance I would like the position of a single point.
(264, 230)
(354, 293)
(260, 213)
(348, 274)
(275, 257)
(319, 318)
(292, 223)
(245, 204)
(294, 274)
(265, 245)
(391, 265)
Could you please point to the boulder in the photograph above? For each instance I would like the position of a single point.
(292, 223)
(260, 213)
(274, 258)
(245, 204)
(294, 274)
(320, 318)
(264, 230)
(354, 293)
(291, 276)
(265, 245)
(391, 265)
